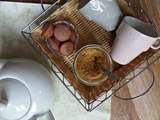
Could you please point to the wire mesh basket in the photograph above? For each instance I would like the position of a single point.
(88, 97)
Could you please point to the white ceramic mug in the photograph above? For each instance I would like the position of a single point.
(133, 37)
(105, 13)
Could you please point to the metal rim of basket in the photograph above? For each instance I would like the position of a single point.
(119, 97)
(93, 104)
(113, 95)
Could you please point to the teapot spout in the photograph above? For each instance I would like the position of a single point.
(3, 104)
(2, 63)
(3, 99)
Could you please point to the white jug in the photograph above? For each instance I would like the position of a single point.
(105, 13)
(25, 89)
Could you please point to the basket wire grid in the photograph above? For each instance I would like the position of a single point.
(89, 106)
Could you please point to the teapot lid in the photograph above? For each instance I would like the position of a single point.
(15, 99)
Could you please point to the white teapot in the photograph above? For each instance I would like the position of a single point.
(25, 89)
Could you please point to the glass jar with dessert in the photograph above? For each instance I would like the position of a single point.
(92, 65)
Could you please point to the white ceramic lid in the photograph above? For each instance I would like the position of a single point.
(15, 100)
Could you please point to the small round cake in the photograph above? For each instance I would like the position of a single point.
(61, 37)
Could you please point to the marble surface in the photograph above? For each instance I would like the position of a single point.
(66, 107)
(13, 18)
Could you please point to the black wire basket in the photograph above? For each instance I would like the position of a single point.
(91, 105)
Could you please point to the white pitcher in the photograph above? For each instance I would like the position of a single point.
(105, 13)
(25, 89)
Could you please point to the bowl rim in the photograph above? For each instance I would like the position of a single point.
(75, 61)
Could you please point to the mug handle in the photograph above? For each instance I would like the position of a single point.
(156, 45)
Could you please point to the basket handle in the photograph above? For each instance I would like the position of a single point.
(142, 94)
(57, 1)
